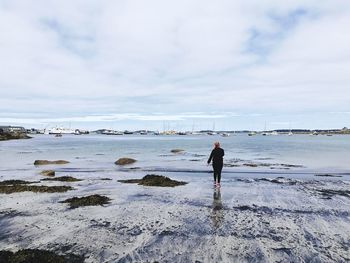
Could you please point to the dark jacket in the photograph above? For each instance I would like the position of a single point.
(216, 155)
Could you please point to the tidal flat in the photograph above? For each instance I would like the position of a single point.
(258, 215)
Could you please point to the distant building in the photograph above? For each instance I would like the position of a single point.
(12, 129)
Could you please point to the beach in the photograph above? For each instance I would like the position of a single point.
(283, 199)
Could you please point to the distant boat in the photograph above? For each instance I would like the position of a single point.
(60, 130)
(314, 133)
(143, 132)
(58, 135)
(128, 132)
(251, 133)
(290, 133)
(274, 133)
(111, 132)
(77, 132)
(225, 134)
(211, 133)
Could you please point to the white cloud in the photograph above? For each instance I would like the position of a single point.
(61, 58)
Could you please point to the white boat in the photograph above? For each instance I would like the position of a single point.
(274, 133)
(251, 133)
(290, 133)
(60, 130)
(112, 132)
(225, 134)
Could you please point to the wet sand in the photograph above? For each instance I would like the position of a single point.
(252, 218)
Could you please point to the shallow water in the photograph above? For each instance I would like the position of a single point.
(315, 153)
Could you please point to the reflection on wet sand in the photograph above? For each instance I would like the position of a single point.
(217, 212)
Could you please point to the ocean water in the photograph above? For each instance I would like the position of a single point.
(97, 153)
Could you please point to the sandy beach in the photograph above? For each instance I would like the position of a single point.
(259, 214)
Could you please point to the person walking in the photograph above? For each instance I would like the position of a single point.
(216, 156)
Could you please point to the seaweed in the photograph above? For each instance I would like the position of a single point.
(14, 182)
(328, 175)
(91, 200)
(38, 256)
(124, 161)
(16, 188)
(46, 162)
(62, 179)
(154, 180)
(177, 150)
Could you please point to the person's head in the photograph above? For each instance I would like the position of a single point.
(216, 145)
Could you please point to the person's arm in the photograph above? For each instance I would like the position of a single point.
(210, 157)
(223, 153)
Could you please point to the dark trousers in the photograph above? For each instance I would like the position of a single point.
(217, 171)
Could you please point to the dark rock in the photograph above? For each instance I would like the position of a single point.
(91, 200)
(13, 136)
(124, 161)
(63, 179)
(48, 173)
(177, 150)
(154, 180)
(46, 162)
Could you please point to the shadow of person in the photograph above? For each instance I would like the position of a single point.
(217, 211)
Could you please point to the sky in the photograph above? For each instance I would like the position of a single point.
(185, 64)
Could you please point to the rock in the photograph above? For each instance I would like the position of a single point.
(37, 255)
(46, 162)
(16, 188)
(124, 161)
(14, 182)
(13, 136)
(154, 180)
(177, 150)
(91, 200)
(63, 179)
(48, 173)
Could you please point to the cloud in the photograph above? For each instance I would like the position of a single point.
(61, 60)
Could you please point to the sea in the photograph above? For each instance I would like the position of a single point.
(299, 155)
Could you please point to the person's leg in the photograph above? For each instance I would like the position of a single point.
(215, 173)
(219, 173)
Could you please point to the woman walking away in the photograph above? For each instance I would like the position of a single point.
(217, 155)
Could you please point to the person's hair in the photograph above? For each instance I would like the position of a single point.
(216, 144)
